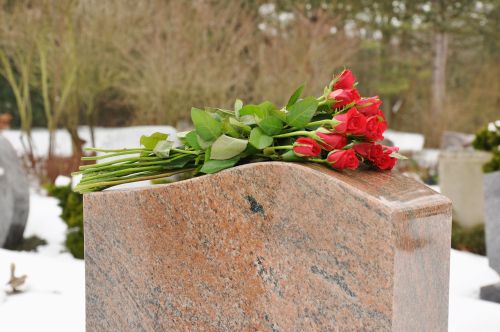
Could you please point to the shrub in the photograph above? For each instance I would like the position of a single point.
(72, 214)
(488, 139)
(468, 239)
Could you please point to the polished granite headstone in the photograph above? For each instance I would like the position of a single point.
(269, 247)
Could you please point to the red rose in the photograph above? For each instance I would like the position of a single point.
(351, 122)
(369, 151)
(378, 154)
(391, 148)
(332, 141)
(369, 106)
(341, 159)
(343, 97)
(345, 81)
(385, 162)
(306, 147)
(375, 128)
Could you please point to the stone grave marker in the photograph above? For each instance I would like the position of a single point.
(269, 247)
(461, 179)
(14, 196)
(492, 232)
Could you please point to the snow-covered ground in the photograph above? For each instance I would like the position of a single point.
(54, 295)
(54, 300)
(109, 138)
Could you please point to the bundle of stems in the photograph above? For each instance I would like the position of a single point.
(339, 129)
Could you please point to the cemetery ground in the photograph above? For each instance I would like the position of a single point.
(53, 298)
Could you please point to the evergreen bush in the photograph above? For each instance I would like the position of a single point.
(72, 214)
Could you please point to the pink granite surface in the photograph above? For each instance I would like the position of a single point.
(269, 247)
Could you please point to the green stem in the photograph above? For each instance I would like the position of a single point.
(109, 155)
(121, 172)
(186, 151)
(117, 161)
(330, 122)
(281, 147)
(96, 185)
(321, 161)
(294, 133)
(117, 150)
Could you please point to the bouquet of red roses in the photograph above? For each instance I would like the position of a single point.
(339, 129)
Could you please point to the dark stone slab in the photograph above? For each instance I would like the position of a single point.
(492, 214)
(14, 196)
(490, 293)
(269, 247)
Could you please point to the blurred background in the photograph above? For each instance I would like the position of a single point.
(81, 73)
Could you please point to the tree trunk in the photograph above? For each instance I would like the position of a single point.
(439, 72)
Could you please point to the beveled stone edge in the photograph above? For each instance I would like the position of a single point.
(393, 209)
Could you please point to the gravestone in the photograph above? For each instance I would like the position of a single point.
(269, 247)
(452, 140)
(492, 230)
(461, 179)
(14, 196)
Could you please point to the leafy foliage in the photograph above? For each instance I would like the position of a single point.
(488, 139)
(468, 239)
(71, 204)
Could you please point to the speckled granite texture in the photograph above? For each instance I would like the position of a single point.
(269, 247)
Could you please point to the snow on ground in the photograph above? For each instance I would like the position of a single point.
(405, 141)
(54, 294)
(109, 138)
(468, 272)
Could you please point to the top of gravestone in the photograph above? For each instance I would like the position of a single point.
(392, 191)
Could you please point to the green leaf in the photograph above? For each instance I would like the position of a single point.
(214, 166)
(259, 112)
(202, 143)
(229, 129)
(191, 139)
(266, 108)
(226, 147)
(162, 148)
(280, 114)
(248, 119)
(179, 162)
(238, 104)
(301, 113)
(206, 126)
(240, 125)
(260, 140)
(271, 125)
(149, 142)
(220, 111)
(295, 96)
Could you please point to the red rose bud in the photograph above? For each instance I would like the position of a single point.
(375, 128)
(332, 141)
(369, 106)
(378, 154)
(343, 97)
(351, 122)
(341, 159)
(306, 147)
(391, 148)
(345, 81)
(370, 151)
(385, 161)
